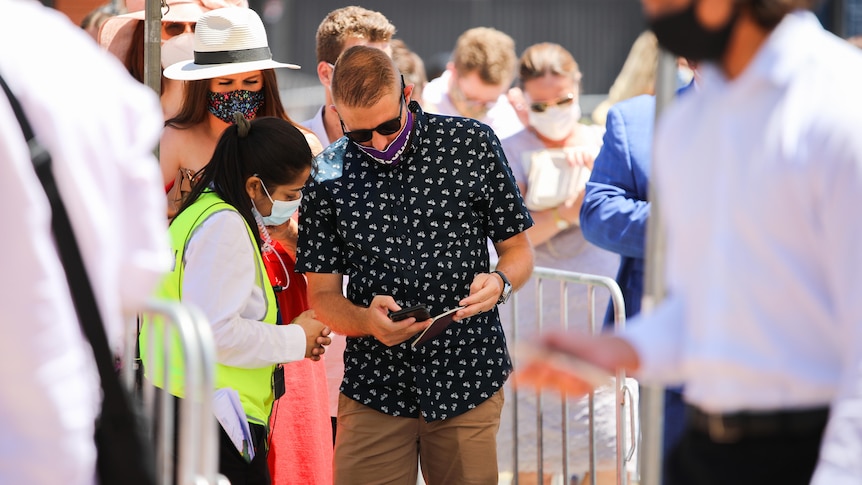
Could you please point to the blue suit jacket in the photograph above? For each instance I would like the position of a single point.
(615, 209)
(614, 217)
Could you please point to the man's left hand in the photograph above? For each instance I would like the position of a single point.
(484, 293)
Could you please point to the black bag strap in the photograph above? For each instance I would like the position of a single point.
(115, 400)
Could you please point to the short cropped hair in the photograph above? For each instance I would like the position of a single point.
(545, 58)
(487, 52)
(350, 22)
(362, 76)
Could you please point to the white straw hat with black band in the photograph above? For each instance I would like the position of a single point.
(227, 41)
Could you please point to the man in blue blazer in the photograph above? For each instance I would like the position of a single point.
(615, 212)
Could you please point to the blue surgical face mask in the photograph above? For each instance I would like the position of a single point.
(282, 210)
(224, 105)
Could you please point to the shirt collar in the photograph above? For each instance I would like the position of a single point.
(419, 126)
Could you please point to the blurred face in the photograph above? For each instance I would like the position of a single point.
(472, 97)
(712, 14)
(173, 29)
(699, 30)
(657, 8)
(552, 104)
(550, 91)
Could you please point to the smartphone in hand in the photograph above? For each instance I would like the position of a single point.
(420, 312)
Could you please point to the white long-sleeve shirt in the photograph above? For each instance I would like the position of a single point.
(760, 181)
(221, 279)
(100, 127)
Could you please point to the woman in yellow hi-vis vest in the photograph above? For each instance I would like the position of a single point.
(253, 180)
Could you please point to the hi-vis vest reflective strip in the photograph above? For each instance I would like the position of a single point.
(253, 385)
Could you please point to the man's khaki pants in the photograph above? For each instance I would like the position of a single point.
(375, 448)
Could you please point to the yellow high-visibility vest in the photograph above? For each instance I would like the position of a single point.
(253, 385)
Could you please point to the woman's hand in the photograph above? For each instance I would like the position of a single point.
(581, 156)
(316, 334)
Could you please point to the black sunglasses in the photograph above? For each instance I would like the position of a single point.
(386, 128)
(541, 107)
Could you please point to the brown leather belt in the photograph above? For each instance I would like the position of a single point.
(733, 427)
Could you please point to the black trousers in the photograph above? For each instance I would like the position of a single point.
(782, 458)
(231, 463)
(233, 466)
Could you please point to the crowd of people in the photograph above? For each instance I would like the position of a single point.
(298, 240)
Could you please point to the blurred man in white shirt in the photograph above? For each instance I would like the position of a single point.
(100, 129)
(476, 80)
(760, 178)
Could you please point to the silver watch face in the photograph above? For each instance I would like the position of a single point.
(507, 288)
(507, 292)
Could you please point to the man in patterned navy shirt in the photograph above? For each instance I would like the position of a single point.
(406, 213)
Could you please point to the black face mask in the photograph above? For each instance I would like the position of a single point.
(681, 33)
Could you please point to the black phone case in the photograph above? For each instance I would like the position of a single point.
(419, 312)
(278, 386)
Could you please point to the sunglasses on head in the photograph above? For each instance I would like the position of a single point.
(541, 107)
(386, 128)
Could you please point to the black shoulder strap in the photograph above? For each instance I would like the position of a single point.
(67, 246)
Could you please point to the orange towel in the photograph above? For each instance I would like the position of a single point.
(300, 451)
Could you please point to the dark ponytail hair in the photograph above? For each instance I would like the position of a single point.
(271, 148)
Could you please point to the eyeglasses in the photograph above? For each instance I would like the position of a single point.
(564, 101)
(385, 128)
(471, 104)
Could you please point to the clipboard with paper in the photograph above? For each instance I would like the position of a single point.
(552, 179)
(230, 414)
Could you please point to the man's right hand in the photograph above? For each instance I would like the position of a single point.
(377, 323)
(316, 334)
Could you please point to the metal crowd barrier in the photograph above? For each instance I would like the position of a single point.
(626, 440)
(195, 462)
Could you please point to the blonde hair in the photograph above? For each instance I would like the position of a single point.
(350, 23)
(635, 78)
(487, 52)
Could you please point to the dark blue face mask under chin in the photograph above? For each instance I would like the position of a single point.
(224, 105)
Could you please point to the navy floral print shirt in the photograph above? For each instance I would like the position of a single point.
(416, 231)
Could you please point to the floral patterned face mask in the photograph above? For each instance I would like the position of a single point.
(224, 105)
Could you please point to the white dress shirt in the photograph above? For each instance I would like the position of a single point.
(100, 127)
(502, 117)
(760, 182)
(316, 125)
